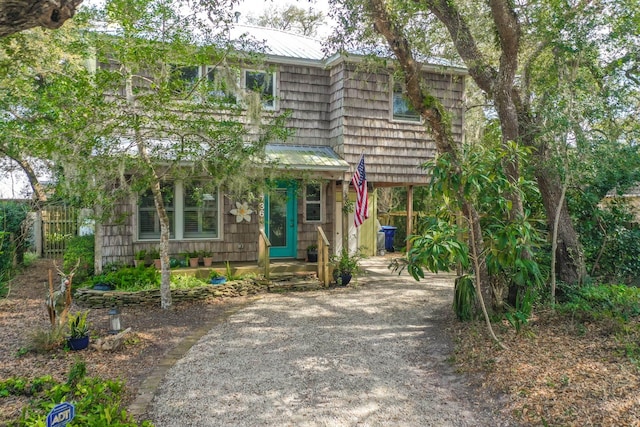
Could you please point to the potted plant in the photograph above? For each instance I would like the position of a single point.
(194, 259)
(140, 258)
(207, 258)
(345, 266)
(216, 278)
(312, 253)
(154, 254)
(183, 259)
(78, 331)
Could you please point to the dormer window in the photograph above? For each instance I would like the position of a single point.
(400, 105)
(264, 83)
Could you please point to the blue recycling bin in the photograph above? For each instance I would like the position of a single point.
(389, 233)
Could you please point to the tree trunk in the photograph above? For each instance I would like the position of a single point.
(19, 15)
(570, 266)
(569, 253)
(38, 189)
(435, 116)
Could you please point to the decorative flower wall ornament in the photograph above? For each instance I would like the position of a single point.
(242, 212)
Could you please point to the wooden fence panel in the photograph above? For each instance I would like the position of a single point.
(59, 224)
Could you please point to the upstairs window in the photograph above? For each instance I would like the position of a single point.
(264, 83)
(220, 84)
(313, 203)
(183, 79)
(400, 105)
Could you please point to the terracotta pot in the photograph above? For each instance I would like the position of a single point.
(193, 262)
(207, 261)
(157, 263)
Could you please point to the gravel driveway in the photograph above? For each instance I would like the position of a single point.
(369, 355)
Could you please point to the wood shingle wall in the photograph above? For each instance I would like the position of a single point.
(239, 244)
(349, 108)
(394, 149)
(305, 91)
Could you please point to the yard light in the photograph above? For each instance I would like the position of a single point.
(114, 320)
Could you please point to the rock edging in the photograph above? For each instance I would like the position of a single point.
(90, 298)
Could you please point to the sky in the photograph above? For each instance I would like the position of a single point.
(256, 7)
(13, 184)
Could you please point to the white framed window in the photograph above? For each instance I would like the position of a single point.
(194, 212)
(184, 78)
(401, 108)
(148, 219)
(264, 83)
(220, 84)
(200, 213)
(313, 203)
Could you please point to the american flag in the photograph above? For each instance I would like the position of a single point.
(359, 182)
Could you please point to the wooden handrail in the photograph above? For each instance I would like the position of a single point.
(267, 244)
(323, 257)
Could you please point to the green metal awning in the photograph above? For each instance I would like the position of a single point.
(311, 157)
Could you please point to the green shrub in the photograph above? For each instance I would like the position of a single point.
(180, 281)
(602, 301)
(46, 340)
(82, 248)
(129, 279)
(97, 401)
(12, 215)
(464, 297)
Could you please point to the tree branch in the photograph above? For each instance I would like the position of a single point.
(19, 15)
(479, 68)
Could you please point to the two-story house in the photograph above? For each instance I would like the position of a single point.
(340, 109)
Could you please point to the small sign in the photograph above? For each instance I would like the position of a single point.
(61, 414)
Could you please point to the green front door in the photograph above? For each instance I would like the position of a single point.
(281, 223)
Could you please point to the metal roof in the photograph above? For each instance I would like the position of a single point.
(281, 43)
(290, 46)
(309, 157)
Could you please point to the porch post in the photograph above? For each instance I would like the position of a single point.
(409, 215)
(345, 214)
(98, 234)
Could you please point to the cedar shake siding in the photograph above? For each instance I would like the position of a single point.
(341, 103)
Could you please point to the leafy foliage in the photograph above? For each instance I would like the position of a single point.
(438, 248)
(97, 401)
(464, 297)
(129, 278)
(80, 248)
(183, 281)
(77, 324)
(598, 301)
(511, 243)
(346, 263)
(12, 216)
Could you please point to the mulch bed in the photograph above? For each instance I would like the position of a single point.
(557, 371)
(155, 332)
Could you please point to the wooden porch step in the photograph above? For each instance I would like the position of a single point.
(294, 282)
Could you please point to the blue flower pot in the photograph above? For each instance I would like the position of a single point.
(218, 280)
(78, 343)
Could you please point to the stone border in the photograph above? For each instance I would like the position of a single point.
(90, 298)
